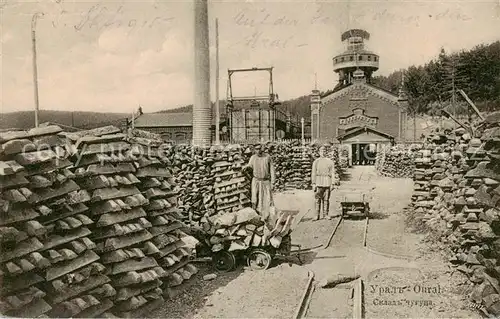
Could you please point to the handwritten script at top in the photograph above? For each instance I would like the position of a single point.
(260, 38)
(386, 16)
(100, 17)
(263, 18)
(261, 22)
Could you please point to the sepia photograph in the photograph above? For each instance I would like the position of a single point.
(199, 159)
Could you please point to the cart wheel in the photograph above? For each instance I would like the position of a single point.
(224, 261)
(259, 259)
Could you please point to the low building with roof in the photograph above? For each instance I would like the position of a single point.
(176, 127)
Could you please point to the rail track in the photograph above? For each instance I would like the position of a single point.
(346, 233)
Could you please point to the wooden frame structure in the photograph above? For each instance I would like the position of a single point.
(256, 122)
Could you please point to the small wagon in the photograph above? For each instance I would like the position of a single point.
(355, 205)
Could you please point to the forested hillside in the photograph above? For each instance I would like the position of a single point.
(86, 120)
(429, 86)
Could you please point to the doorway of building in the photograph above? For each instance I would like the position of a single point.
(363, 154)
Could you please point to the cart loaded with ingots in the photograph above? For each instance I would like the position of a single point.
(245, 237)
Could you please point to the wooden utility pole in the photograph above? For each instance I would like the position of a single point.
(302, 125)
(35, 69)
(472, 105)
(414, 125)
(453, 99)
(217, 102)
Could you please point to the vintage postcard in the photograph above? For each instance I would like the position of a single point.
(249, 159)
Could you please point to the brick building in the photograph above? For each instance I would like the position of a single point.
(357, 113)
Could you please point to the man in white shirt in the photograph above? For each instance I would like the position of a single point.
(323, 180)
(262, 181)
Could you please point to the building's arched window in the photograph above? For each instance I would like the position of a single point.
(369, 58)
(360, 58)
(342, 59)
(180, 136)
(375, 59)
(352, 58)
(166, 135)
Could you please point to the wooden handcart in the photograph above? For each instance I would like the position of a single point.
(258, 258)
(355, 205)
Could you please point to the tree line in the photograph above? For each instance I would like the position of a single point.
(430, 87)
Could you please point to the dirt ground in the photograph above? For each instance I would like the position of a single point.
(331, 303)
(387, 232)
(275, 293)
(422, 285)
(194, 294)
(309, 234)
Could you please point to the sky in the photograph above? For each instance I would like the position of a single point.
(113, 56)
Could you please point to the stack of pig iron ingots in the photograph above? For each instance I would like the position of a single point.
(293, 164)
(396, 162)
(458, 197)
(232, 188)
(192, 169)
(174, 247)
(106, 168)
(51, 266)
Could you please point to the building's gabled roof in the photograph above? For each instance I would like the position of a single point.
(164, 119)
(337, 88)
(371, 89)
(357, 130)
(382, 89)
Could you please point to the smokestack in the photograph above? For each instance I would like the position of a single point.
(202, 115)
(217, 102)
